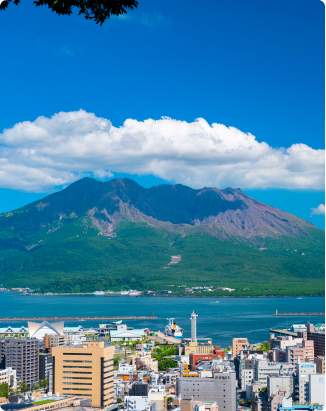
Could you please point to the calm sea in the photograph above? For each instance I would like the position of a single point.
(218, 318)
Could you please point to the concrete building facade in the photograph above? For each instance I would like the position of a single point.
(50, 341)
(239, 344)
(22, 355)
(264, 368)
(220, 388)
(276, 382)
(317, 389)
(301, 386)
(85, 370)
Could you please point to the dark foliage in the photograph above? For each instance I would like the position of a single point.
(97, 10)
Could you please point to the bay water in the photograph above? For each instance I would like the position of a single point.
(218, 318)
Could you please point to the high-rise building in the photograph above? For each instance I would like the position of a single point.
(318, 337)
(22, 355)
(85, 370)
(193, 326)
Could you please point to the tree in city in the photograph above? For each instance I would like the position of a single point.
(119, 400)
(96, 10)
(23, 387)
(43, 383)
(170, 400)
(4, 390)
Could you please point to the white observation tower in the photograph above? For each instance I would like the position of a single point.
(193, 327)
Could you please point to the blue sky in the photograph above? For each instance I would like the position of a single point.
(255, 66)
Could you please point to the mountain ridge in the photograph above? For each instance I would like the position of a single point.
(117, 234)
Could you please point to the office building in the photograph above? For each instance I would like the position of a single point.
(317, 389)
(220, 388)
(263, 368)
(85, 370)
(301, 383)
(239, 344)
(22, 355)
(275, 382)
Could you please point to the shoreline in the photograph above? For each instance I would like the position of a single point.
(165, 296)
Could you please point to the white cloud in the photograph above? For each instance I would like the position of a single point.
(320, 210)
(36, 156)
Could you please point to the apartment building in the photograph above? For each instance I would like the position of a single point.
(301, 386)
(8, 376)
(304, 351)
(239, 344)
(220, 388)
(318, 337)
(22, 355)
(276, 382)
(85, 370)
(50, 341)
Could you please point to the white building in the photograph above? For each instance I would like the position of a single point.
(39, 330)
(8, 376)
(247, 376)
(274, 382)
(317, 389)
(137, 403)
(301, 386)
(263, 368)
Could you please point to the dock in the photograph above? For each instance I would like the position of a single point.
(283, 332)
(301, 314)
(134, 317)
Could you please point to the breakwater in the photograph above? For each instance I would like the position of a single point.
(301, 314)
(135, 317)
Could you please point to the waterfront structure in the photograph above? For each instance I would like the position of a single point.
(193, 320)
(8, 376)
(220, 388)
(50, 341)
(39, 330)
(239, 344)
(85, 370)
(301, 390)
(22, 355)
(127, 335)
(14, 331)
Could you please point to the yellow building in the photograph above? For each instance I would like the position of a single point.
(85, 371)
(193, 347)
(239, 344)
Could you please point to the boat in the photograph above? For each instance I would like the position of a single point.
(173, 330)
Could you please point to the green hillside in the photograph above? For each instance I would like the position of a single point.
(77, 258)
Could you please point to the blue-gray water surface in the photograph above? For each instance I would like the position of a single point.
(223, 320)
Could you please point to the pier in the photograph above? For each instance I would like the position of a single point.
(301, 314)
(283, 332)
(134, 317)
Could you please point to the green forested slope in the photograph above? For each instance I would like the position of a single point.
(76, 258)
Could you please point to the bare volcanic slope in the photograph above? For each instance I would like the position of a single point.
(167, 206)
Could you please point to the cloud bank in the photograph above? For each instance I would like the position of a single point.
(37, 156)
(320, 210)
